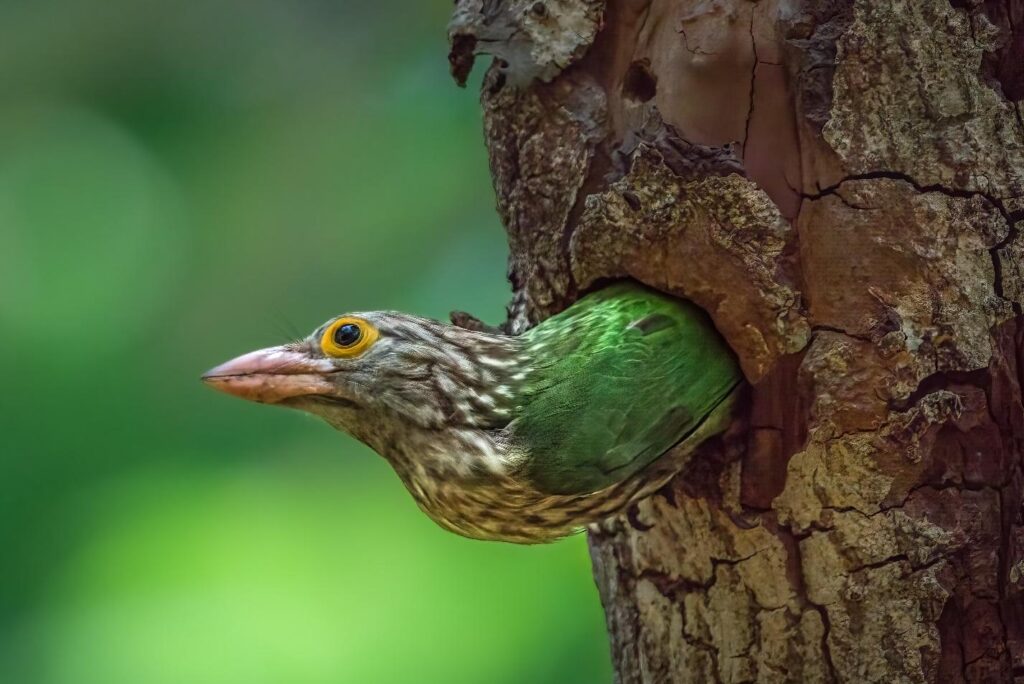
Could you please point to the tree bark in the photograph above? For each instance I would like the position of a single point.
(838, 183)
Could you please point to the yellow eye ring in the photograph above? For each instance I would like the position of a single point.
(348, 337)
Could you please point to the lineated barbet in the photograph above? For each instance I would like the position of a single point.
(521, 438)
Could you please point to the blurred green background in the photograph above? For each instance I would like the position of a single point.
(184, 181)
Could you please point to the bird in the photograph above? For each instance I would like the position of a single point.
(522, 438)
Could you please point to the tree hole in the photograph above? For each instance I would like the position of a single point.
(640, 84)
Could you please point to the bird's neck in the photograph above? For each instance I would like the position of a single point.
(455, 454)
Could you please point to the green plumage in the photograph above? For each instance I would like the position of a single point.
(619, 378)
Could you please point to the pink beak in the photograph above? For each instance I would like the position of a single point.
(272, 375)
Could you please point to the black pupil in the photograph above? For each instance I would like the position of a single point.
(347, 335)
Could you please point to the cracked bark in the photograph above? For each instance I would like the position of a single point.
(841, 185)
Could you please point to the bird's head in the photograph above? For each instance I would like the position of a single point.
(372, 374)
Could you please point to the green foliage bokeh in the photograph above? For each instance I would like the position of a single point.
(180, 183)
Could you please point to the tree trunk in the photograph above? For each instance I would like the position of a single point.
(836, 182)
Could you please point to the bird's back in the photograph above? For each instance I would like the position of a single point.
(617, 380)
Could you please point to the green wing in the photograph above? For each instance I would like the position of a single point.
(618, 379)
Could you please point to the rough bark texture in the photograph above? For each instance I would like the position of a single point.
(839, 183)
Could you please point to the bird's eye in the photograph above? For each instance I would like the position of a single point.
(348, 337)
